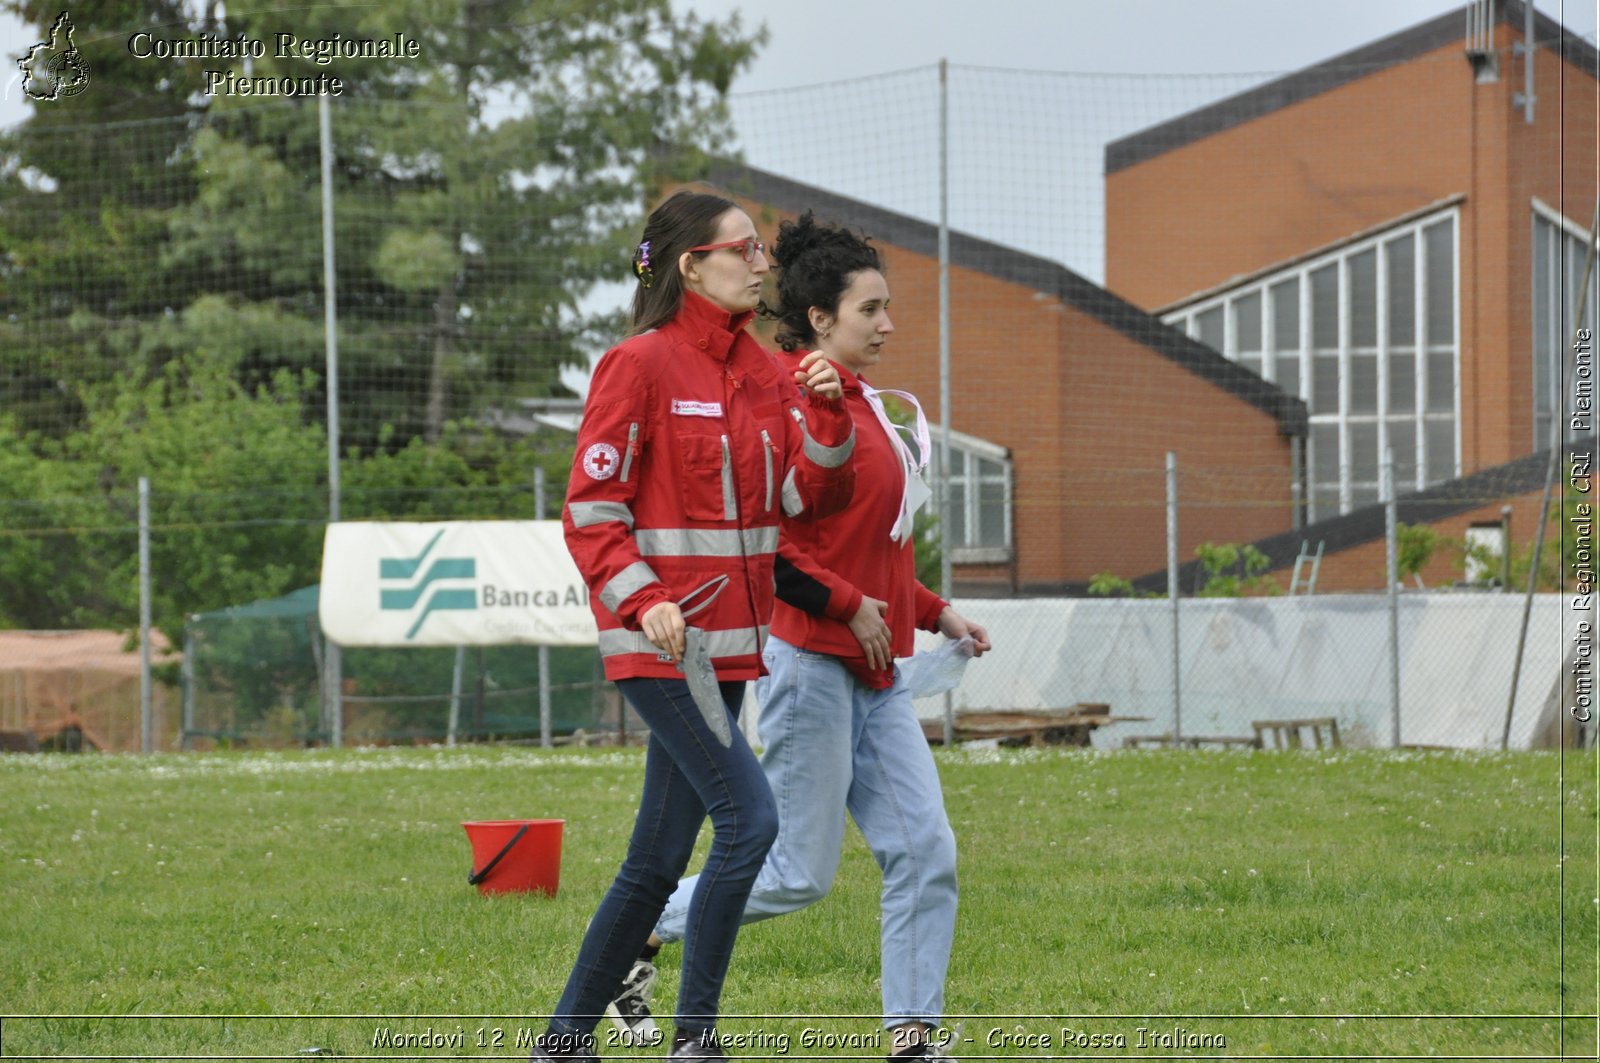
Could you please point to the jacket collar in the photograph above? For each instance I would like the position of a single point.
(705, 325)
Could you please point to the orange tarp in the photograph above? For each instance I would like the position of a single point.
(49, 679)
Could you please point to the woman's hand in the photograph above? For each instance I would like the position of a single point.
(663, 626)
(954, 626)
(870, 629)
(818, 375)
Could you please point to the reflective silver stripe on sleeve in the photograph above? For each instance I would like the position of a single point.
(706, 542)
(793, 504)
(636, 577)
(588, 514)
(732, 642)
(827, 457)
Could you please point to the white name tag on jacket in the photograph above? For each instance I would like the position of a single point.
(689, 408)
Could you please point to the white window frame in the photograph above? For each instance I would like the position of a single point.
(1561, 331)
(1185, 317)
(965, 553)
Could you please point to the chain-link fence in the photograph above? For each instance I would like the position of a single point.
(1137, 266)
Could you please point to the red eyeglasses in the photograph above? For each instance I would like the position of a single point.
(748, 249)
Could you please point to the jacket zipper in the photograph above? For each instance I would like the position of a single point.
(766, 452)
(627, 458)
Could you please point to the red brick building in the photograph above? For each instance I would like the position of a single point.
(1065, 400)
(1397, 236)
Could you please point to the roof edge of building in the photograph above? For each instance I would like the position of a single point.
(1019, 267)
(1357, 63)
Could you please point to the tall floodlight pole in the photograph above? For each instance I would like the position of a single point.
(945, 578)
(333, 663)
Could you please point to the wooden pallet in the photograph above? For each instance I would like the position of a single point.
(1286, 734)
(1037, 727)
(1193, 742)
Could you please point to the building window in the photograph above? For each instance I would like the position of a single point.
(1558, 261)
(980, 486)
(1366, 336)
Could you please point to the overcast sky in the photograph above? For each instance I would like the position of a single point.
(824, 40)
(875, 138)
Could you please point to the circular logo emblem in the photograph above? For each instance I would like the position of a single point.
(68, 72)
(600, 461)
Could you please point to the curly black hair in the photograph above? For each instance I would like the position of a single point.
(816, 263)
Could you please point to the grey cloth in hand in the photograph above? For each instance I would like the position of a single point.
(702, 679)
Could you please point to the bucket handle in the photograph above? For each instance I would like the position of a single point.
(475, 877)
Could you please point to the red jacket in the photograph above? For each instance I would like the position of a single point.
(826, 565)
(694, 442)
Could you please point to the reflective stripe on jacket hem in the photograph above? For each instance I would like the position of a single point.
(706, 542)
(730, 642)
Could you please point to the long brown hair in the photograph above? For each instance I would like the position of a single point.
(684, 219)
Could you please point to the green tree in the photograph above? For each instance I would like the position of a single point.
(238, 496)
(235, 514)
(87, 188)
(481, 190)
(1415, 545)
(1111, 585)
(1231, 571)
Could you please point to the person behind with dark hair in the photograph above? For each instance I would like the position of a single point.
(839, 731)
(694, 443)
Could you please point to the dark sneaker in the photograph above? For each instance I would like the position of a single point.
(697, 1046)
(564, 1048)
(630, 1012)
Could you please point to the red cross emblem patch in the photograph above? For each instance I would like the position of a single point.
(600, 461)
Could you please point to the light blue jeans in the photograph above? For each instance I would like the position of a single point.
(831, 746)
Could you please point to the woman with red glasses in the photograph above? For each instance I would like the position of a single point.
(695, 442)
(839, 729)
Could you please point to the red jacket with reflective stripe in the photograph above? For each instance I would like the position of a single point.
(694, 443)
(827, 565)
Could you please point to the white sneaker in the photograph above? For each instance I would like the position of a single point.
(630, 1012)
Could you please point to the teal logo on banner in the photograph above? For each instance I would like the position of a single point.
(407, 598)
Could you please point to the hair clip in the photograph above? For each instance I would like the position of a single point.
(641, 264)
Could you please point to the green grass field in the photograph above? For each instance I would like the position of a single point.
(1311, 905)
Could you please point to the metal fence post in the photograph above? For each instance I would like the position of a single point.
(333, 667)
(188, 686)
(545, 739)
(455, 696)
(146, 711)
(1391, 529)
(1172, 589)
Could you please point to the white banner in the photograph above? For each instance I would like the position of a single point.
(452, 583)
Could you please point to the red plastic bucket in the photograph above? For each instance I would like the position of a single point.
(515, 855)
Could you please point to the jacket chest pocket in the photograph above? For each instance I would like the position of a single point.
(706, 464)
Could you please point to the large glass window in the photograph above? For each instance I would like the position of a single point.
(1366, 336)
(1558, 266)
(980, 486)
